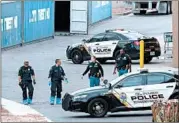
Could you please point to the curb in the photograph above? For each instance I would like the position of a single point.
(18, 109)
(125, 13)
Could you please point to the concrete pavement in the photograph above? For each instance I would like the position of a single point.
(15, 112)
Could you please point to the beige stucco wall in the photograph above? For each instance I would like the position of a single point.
(175, 26)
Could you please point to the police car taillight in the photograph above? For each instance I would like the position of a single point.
(137, 43)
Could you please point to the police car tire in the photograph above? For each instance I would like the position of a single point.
(147, 60)
(91, 104)
(80, 55)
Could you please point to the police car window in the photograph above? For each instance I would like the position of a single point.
(132, 81)
(97, 38)
(110, 37)
(169, 79)
(134, 35)
(155, 79)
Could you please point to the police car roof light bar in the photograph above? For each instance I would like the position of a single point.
(114, 30)
(143, 70)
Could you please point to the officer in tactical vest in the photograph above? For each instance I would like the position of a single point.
(56, 76)
(26, 74)
(96, 72)
(123, 63)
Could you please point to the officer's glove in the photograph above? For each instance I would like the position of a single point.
(49, 83)
(34, 81)
(66, 80)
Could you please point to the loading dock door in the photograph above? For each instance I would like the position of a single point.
(78, 15)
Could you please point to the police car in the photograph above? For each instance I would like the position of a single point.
(129, 92)
(106, 46)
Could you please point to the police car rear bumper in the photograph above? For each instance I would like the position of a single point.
(69, 105)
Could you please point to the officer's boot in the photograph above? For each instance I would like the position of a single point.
(52, 99)
(29, 101)
(25, 102)
(58, 101)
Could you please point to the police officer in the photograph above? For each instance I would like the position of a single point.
(56, 75)
(96, 72)
(26, 74)
(123, 63)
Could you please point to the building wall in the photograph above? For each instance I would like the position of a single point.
(99, 10)
(175, 26)
(38, 20)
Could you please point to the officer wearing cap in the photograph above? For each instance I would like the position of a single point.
(123, 63)
(26, 76)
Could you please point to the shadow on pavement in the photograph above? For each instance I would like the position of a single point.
(115, 115)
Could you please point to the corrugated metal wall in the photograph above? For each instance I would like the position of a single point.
(38, 20)
(34, 20)
(100, 10)
(11, 23)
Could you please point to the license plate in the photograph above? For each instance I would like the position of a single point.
(152, 53)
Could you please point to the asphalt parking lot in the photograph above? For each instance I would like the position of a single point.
(42, 55)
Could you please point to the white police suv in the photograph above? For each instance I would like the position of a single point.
(106, 46)
(130, 92)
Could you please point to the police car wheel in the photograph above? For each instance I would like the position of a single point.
(147, 60)
(98, 107)
(77, 57)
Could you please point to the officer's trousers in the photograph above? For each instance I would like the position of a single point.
(122, 71)
(56, 88)
(27, 85)
(94, 81)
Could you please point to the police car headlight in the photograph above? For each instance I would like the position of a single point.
(79, 97)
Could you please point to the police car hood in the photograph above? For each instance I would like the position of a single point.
(90, 90)
(77, 44)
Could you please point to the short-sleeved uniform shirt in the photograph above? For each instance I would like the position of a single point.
(26, 73)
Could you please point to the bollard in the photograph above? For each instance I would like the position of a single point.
(141, 54)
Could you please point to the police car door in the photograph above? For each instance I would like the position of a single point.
(159, 87)
(128, 91)
(108, 45)
(93, 45)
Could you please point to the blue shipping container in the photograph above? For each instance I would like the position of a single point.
(38, 20)
(10, 23)
(101, 10)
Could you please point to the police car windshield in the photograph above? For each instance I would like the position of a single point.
(113, 82)
(134, 35)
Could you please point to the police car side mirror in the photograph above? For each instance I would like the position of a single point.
(105, 81)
